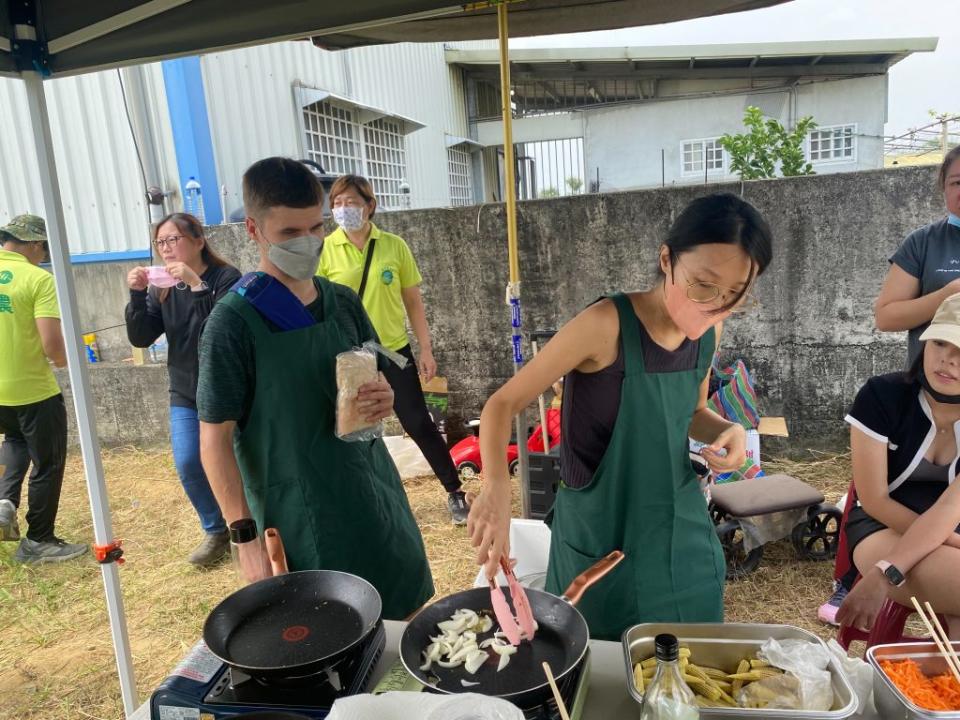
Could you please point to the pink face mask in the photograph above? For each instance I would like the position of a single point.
(693, 319)
(158, 276)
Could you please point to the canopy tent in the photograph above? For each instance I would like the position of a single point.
(40, 39)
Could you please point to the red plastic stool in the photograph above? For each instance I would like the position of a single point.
(887, 628)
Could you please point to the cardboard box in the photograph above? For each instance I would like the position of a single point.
(769, 426)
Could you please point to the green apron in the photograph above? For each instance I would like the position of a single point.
(337, 505)
(646, 500)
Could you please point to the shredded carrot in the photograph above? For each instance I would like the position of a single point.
(930, 693)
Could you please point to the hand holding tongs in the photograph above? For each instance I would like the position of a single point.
(514, 626)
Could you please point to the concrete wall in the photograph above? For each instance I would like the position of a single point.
(811, 344)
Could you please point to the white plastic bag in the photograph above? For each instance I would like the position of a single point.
(423, 706)
(355, 369)
(859, 673)
(807, 684)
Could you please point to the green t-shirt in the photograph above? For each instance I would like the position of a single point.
(26, 293)
(228, 359)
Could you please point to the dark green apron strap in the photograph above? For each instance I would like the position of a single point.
(708, 346)
(629, 335)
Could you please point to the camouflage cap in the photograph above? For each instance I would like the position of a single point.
(26, 228)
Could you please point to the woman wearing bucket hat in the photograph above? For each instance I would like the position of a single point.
(923, 272)
(905, 442)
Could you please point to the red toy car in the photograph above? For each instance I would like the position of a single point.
(466, 453)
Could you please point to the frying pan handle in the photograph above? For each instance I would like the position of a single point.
(278, 558)
(590, 576)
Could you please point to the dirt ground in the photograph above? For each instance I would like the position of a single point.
(56, 656)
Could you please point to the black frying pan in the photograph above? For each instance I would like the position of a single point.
(561, 640)
(293, 625)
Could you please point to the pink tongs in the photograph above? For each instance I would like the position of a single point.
(521, 626)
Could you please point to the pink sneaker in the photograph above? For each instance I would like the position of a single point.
(827, 613)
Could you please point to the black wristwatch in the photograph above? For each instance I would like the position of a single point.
(891, 573)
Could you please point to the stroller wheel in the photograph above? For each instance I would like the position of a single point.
(468, 470)
(817, 537)
(740, 563)
(515, 468)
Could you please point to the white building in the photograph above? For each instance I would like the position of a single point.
(421, 121)
(621, 118)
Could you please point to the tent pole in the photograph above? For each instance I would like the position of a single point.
(513, 255)
(79, 378)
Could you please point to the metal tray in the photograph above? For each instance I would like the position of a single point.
(723, 645)
(890, 702)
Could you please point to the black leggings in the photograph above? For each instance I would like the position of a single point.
(411, 410)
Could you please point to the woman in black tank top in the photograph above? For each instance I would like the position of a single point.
(642, 360)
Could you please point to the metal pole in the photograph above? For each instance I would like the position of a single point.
(79, 379)
(513, 289)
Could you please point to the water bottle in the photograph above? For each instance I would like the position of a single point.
(193, 199)
(158, 351)
(667, 697)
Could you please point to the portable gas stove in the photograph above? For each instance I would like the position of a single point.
(573, 689)
(202, 687)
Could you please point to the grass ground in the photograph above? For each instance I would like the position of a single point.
(56, 656)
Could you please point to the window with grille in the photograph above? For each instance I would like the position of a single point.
(337, 140)
(333, 137)
(834, 144)
(386, 160)
(460, 171)
(696, 153)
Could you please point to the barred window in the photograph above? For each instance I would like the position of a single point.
(337, 140)
(460, 170)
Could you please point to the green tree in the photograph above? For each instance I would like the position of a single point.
(754, 154)
(574, 183)
(789, 147)
(550, 192)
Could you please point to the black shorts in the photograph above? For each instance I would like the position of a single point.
(859, 525)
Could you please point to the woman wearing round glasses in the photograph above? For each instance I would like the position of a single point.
(637, 369)
(175, 300)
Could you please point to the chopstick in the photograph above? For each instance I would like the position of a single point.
(949, 655)
(946, 639)
(556, 692)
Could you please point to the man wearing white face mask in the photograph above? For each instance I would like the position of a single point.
(266, 399)
(381, 269)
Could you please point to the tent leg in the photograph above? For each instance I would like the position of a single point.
(79, 378)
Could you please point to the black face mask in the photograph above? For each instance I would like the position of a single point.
(939, 397)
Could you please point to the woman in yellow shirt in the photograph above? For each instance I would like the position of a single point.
(380, 268)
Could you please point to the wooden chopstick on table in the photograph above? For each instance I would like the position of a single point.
(939, 637)
(556, 692)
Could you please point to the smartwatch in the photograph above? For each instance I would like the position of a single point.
(891, 573)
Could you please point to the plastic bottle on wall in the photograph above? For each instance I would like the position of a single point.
(193, 199)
